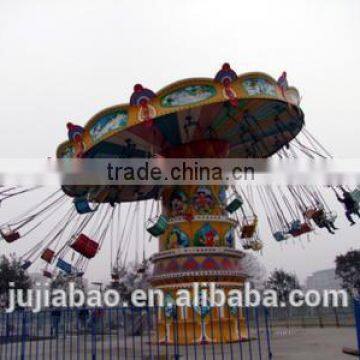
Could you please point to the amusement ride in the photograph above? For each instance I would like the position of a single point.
(203, 232)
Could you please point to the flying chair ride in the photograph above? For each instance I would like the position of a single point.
(251, 115)
(203, 231)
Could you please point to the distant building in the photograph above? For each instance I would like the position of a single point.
(323, 280)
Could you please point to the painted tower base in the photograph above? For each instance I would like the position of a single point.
(198, 324)
(197, 244)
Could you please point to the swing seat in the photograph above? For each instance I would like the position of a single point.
(235, 204)
(64, 266)
(85, 246)
(295, 226)
(83, 206)
(47, 274)
(280, 236)
(319, 218)
(309, 213)
(48, 255)
(314, 213)
(10, 235)
(115, 277)
(159, 227)
(26, 264)
(248, 230)
(304, 228)
(355, 195)
(318, 215)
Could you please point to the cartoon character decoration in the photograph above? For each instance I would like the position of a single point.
(75, 134)
(170, 306)
(203, 307)
(226, 76)
(178, 203)
(141, 98)
(203, 200)
(206, 236)
(282, 82)
(233, 310)
(177, 238)
(229, 238)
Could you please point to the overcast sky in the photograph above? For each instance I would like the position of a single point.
(66, 60)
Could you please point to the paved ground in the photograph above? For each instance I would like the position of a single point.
(313, 344)
(296, 344)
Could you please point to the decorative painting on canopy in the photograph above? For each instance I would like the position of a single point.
(259, 86)
(108, 123)
(191, 94)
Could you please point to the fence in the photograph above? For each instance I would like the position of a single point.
(305, 316)
(122, 333)
(133, 333)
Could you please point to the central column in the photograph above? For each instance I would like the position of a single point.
(197, 246)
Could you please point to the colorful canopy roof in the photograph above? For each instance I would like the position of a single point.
(253, 113)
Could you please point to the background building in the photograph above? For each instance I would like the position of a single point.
(323, 280)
